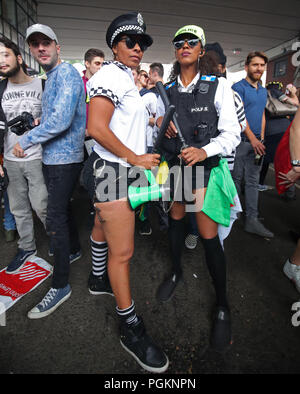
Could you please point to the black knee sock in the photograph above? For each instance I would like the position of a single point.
(176, 240)
(216, 263)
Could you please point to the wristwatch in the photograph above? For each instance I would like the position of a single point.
(295, 163)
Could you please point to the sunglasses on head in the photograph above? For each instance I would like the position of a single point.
(131, 42)
(192, 42)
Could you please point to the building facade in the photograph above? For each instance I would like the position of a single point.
(15, 17)
(284, 68)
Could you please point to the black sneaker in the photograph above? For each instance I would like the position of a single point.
(99, 284)
(167, 288)
(221, 332)
(136, 342)
(19, 260)
(145, 228)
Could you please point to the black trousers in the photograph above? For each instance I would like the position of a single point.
(60, 224)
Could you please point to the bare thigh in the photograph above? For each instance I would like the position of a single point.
(116, 220)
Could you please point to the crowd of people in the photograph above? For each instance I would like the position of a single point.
(99, 127)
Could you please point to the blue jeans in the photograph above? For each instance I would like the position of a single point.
(9, 220)
(60, 224)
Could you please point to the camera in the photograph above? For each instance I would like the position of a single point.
(21, 123)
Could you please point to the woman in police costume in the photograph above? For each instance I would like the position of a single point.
(208, 122)
(118, 125)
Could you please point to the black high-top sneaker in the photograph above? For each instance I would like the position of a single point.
(99, 284)
(137, 342)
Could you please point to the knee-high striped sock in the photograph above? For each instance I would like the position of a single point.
(99, 257)
(127, 315)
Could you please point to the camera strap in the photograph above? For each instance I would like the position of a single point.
(3, 122)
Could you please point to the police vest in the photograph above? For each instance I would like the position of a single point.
(196, 114)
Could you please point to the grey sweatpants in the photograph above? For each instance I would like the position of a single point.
(26, 191)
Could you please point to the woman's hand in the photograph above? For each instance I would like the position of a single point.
(1, 171)
(147, 160)
(193, 155)
(171, 130)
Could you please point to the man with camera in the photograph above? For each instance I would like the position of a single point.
(61, 133)
(26, 188)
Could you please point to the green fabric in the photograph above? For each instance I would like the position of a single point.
(220, 194)
(142, 214)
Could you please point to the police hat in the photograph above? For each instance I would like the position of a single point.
(131, 23)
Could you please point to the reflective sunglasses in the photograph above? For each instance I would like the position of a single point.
(191, 43)
(132, 41)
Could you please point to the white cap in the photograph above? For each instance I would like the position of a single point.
(38, 28)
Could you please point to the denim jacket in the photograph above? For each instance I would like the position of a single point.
(62, 128)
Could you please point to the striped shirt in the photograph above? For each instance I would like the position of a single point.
(239, 109)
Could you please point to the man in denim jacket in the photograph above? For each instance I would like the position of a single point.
(61, 134)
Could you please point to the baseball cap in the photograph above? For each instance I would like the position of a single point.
(191, 29)
(130, 23)
(39, 28)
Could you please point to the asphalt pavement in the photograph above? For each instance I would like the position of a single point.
(81, 336)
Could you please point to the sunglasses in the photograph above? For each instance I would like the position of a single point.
(191, 43)
(132, 41)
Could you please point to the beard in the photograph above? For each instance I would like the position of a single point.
(11, 73)
(254, 77)
(52, 63)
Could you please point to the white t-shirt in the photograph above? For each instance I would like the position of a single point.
(18, 98)
(115, 81)
(228, 125)
(150, 101)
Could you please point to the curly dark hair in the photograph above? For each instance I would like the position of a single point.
(207, 65)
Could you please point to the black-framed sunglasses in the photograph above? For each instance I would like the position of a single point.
(131, 42)
(192, 42)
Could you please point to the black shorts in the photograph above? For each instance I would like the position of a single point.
(108, 181)
(187, 179)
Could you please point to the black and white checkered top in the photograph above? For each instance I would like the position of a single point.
(115, 81)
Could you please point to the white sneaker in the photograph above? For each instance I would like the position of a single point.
(292, 271)
(191, 241)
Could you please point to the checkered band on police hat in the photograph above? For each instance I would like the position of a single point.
(131, 23)
(124, 29)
